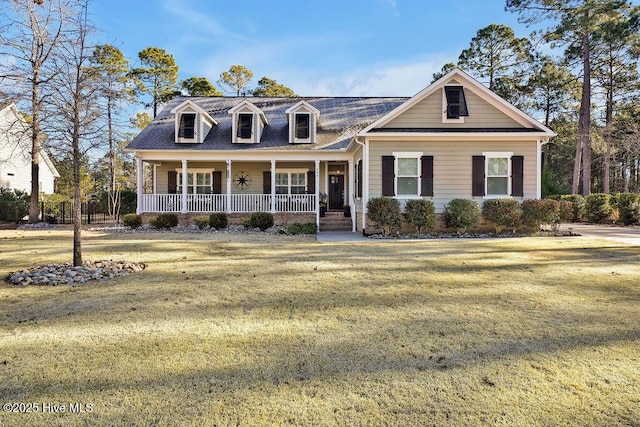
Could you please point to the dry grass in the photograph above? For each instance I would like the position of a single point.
(226, 330)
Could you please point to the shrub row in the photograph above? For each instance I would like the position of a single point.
(600, 207)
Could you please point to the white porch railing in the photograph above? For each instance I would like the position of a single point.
(239, 203)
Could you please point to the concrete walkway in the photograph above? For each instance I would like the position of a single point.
(629, 235)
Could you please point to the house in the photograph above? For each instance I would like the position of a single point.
(454, 139)
(15, 155)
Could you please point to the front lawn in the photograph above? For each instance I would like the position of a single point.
(263, 330)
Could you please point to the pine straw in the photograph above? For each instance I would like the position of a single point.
(254, 330)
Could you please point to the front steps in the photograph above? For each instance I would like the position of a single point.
(335, 221)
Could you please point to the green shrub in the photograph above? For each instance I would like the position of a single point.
(14, 205)
(577, 203)
(218, 220)
(503, 213)
(385, 213)
(164, 221)
(566, 212)
(421, 214)
(261, 220)
(536, 213)
(597, 207)
(132, 220)
(628, 205)
(201, 221)
(461, 214)
(303, 228)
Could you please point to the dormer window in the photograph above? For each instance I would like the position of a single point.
(303, 120)
(187, 127)
(192, 123)
(455, 104)
(245, 125)
(302, 126)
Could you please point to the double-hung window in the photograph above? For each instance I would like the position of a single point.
(302, 125)
(245, 125)
(187, 129)
(407, 174)
(197, 183)
(291, 182)
(498, 174)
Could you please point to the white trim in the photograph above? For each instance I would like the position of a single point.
(365, 186)
(316, 172)
(290, 171)
(539, 169)
(352, 199)
(406, 155)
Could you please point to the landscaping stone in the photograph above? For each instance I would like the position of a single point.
(57, 274)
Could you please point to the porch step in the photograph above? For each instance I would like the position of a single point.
(335, 221)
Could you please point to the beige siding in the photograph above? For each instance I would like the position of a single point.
(428, 114)
(255, 169)
(452, 165)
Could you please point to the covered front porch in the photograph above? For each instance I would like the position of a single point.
(292, 186)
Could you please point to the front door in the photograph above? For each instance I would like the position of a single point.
(336, 192)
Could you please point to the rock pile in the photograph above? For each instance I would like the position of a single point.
(57, 274)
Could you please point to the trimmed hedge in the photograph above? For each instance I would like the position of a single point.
(164, 221)
(303, 228)
(421, 214)
(628, 205)
(461, 214)
(218, 220)
(577, 204)
(536, 213)
(503, 213)
(598, 207)
(385, 213)
(261, 220)
(132, 220)
(201, 221)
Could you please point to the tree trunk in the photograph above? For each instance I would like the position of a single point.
(34, 206)
(584, 122)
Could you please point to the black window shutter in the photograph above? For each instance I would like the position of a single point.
(172, 182)
(311, 182)
(517, 176)
(477, 186)
(388, 176)
(266, 182)
(217, 182)
(426, 180)
(359, 172)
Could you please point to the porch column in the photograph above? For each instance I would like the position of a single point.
(184, 187)
(317, 207)
(229, 186)
(352, 200)
(139, 172)
(273, 186)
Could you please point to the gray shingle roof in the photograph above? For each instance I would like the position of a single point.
(340, 119)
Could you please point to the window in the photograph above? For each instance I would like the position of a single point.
(497, 176)
(197, 183)
(456, 103)
(291, 182)
(245, 125)
(408, 175)
(302, 126)
(187, 127)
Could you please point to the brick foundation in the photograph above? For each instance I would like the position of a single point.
(279, 218)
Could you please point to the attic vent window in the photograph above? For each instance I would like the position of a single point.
(245, 125)
(187, 128)
(456, 102)
(302, 126)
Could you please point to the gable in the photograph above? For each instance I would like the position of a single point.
(427, 113)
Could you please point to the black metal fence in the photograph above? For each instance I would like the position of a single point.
(62, 213)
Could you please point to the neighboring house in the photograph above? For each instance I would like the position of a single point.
(454, 139)
(15, 155)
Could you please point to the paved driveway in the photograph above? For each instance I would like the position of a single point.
(630, 235)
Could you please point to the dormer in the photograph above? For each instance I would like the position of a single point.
(303, 119)
(192, 123)
(248, 121)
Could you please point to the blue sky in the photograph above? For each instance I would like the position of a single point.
(316, 47)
